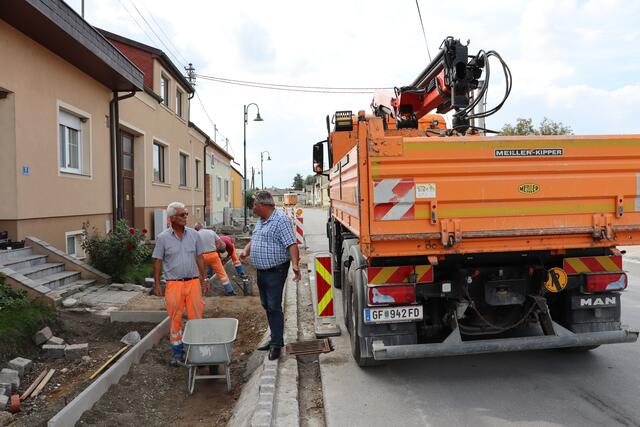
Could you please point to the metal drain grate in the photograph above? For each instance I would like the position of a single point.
(303, 348)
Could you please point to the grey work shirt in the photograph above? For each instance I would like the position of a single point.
(178, 255)
(208, 239)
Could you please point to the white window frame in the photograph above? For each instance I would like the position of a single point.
(179, 103)
(164, 161)
(226, 190)
(186, 169)
(197, 170)
(67, 116)
(218, 188)
(164, 91)
(79, 253)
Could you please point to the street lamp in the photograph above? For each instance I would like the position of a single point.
(246, 120)
(261, 171)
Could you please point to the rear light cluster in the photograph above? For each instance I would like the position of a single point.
(605, 282)
(391, 294)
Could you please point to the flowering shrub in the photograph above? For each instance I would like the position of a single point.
(119, 251)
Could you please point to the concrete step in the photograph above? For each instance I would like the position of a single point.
(25, 262)
(72, 289)
(42, 270)
(57, 280)
(11, 254)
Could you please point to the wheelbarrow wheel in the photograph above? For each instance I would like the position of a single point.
(191, 381)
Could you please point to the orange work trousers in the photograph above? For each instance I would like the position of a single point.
(178, 296)
(212, 259)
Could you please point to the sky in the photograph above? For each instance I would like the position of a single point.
(572, 61)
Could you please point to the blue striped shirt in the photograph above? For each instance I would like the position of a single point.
(271, 240)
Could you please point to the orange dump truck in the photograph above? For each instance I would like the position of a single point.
(448, 242)
(468, 244)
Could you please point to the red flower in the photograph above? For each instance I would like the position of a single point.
(145, 231)
(132, 230)
(129, 246)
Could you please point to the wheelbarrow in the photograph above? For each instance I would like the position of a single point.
(209, 342)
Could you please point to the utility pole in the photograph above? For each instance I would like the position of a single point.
(82, 9)
(191, 74)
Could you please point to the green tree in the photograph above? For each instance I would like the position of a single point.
(298, 182)
(310, 180)
(525, 127)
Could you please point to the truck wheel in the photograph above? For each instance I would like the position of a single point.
(346, 299)
(336, 271)
(353, 334)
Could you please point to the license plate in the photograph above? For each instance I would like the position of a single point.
(408, 313)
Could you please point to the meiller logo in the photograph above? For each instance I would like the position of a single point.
(529, 188)
(529, 152)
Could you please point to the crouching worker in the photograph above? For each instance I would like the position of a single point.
(231, 253)
(211, 244)
(178, 254)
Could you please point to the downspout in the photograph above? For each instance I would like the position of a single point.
(116, 168)
(204, 179)
(193, 187)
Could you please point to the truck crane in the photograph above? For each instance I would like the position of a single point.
(448, 242)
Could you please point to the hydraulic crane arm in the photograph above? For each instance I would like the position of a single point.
(445, 85)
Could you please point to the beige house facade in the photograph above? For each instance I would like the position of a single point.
(219, 173)
(167, 156)
(57, 95)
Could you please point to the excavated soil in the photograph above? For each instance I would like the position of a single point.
(72, 376)
(154, 394)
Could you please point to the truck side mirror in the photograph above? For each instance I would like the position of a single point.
(318, 157)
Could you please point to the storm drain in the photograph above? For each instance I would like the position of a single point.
(302, 348)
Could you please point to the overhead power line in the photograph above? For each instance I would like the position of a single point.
(292, 88)
(167, 38)
(424, 34)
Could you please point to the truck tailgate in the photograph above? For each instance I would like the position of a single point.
(432, 195)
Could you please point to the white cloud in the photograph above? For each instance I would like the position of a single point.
(574, 61)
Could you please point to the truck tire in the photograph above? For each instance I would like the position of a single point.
(336, 271)
(346, 299)
(355, 319)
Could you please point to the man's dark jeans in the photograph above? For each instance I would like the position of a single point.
(271, 285)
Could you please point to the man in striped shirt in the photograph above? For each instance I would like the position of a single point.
(272, 249)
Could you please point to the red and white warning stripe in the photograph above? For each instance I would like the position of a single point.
(394, 199)
(299, 227)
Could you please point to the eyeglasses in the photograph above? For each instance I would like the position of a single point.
(183, 215)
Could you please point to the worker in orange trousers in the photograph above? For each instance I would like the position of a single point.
(178, 256)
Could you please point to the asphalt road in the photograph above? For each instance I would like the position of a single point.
(541, 388)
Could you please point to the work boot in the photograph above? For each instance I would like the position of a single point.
(264, 347)
(177, 361)
(228, 290)
(274, 353)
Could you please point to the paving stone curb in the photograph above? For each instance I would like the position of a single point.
(287, 412)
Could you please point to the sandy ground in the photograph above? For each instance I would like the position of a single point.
(154, 394)
(72, 376)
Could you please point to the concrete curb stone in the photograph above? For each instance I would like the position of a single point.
(287, 412)
(55, 341)
(11, 377)
(21, 365)
(53, 351)
(42, 336)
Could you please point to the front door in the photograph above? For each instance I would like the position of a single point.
(127, 177)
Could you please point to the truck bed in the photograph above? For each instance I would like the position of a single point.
(439, 195)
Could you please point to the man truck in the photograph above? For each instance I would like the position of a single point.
(446, 241)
